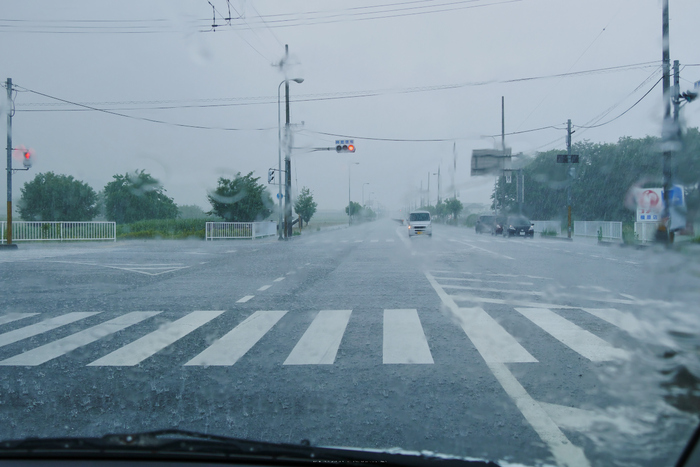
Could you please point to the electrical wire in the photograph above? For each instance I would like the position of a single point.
(145, 119)
(623, 113)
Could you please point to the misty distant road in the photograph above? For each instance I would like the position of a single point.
(357, 336)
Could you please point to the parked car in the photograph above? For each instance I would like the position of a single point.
(485, 224)
(518, 226)
(419, 223)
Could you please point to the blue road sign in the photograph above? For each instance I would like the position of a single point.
(280, 196)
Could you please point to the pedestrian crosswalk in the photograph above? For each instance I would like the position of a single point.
(404, 337)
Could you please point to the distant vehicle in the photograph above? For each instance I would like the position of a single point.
(518, 226)
(419, 223)
(498, 224)
(485, 224)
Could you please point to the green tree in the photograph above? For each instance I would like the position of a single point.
(51, 197)
(242, 199)
(137, 196)
(190, 211)
(352, 209)
(454, 206)
(305, 206)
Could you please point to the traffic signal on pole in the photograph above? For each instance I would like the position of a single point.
(345, 145)
(27, 159)
(271, 176)
(565, 158)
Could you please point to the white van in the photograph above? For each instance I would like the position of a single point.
(419, 224)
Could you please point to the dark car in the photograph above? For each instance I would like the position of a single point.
(518, 226)
(485, 224)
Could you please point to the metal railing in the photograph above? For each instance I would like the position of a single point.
(547, 226)
(38, 231)
(610, 230)
(645, 231)
(253, 230)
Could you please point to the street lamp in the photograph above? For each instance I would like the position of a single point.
(350, 199)
(279, 150)
(363, 192)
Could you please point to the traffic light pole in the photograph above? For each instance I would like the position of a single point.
(667, 131)
(9, 243)
(287, 164)
(568, 176)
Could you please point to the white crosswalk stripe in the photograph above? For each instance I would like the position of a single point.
(492, 341)
(404, 339)
(237, 342)
(60, 347)
(10, 317)
(319, 344)
(44, 326)
(577, 339)
(139, 350)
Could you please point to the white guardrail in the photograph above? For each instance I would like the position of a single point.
(221, 230)
(31, 231)
(548, 226)
(610, 230)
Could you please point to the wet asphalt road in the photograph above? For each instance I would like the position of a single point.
(525, 350)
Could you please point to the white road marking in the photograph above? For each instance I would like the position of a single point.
(231, 251)
(512, 302)
(358, 241)
(10, 317)
(576, 338)
(264, 288)
(565, 453)
(319, 344)
(291, 272)
(278, 279)
(141, 269)
(390, 240)
(492, 341)
(404, 339)
(55, 349)
(343, 241)
(42, 327)
(489, 274)
(623, 320)
(140, 349)
(237, 342)
(505, 291)
(474, 247)
(245, 299)
(489, 281)
(374, 241)
(204, 262)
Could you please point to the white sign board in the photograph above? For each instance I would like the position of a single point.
(650, 204)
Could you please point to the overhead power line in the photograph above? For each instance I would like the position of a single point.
(260, 100)
(145, 119)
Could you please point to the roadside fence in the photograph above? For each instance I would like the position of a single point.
(253, 230)
(610, 230)
(547, 226)
(645, 231)
(30, 231)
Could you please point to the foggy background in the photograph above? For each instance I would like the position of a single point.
(387, 70)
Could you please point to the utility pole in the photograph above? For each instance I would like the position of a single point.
(9, 164)
(287, 159)
(503, 148)
(428, 189)
(668, 132)
(438, 197)
(569, 177)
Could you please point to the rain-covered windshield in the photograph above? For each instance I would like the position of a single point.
(216, 222)
(419, 217)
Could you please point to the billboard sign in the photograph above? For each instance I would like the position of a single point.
(490, 161)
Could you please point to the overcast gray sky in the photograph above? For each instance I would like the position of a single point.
(385, 69)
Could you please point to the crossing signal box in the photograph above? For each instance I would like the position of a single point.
(345, 145)
(565, 158)
(27, 159)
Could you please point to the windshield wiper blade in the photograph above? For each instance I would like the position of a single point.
(191, 445)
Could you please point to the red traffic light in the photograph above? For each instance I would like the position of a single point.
(347, 145)
(351, 147)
